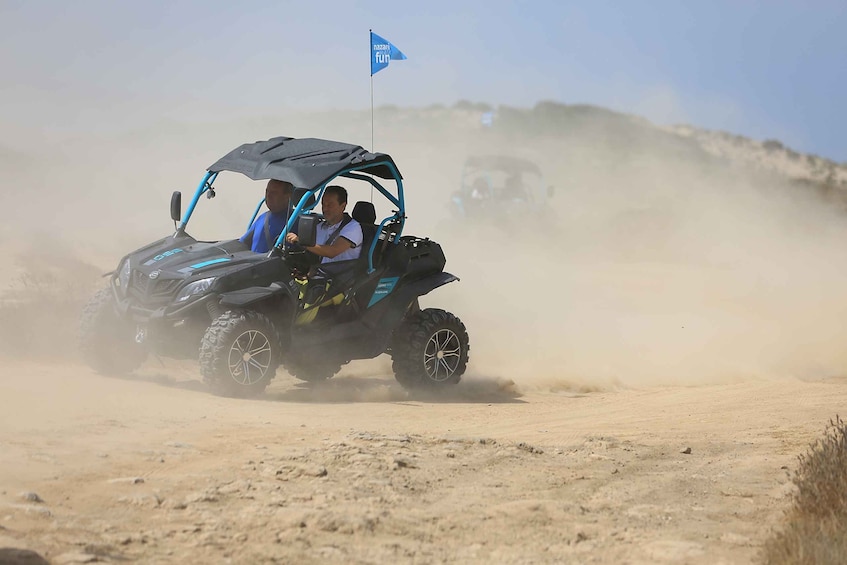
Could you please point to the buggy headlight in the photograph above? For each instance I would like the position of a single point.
(123, 275)
(195, 289)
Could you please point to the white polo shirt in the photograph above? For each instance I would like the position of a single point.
(352, 232)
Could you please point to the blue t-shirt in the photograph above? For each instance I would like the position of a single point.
(262, 239)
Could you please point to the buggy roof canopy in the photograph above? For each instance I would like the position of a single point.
(502, 163)
(305, 163)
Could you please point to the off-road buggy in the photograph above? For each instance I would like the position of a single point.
(238, 310)
(500, 188)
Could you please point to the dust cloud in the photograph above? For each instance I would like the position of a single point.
(658, 264)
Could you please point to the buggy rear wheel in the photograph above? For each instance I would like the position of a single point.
(107, 342)
(239, 354)
(430, 350)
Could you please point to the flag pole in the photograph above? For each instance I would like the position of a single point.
(370, 50)
(370, 70)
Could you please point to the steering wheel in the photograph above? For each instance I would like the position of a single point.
(298, 259)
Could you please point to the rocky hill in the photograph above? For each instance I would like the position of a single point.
(769, 155)
(615, 129)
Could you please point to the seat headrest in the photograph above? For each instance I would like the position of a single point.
(364, 212)
(297, 194)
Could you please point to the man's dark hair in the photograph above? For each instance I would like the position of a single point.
(284, 184)
(339, 191)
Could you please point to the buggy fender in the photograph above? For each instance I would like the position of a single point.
(254, 294)
(408, 293)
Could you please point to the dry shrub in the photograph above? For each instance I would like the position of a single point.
(816, 529)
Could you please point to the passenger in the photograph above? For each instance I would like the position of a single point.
(266, 229)
(339, 237)
(514, 188)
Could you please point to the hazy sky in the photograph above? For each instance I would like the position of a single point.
(766, 69)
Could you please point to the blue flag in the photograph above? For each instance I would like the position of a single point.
(382, 52)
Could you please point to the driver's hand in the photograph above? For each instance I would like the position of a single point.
(291, 238)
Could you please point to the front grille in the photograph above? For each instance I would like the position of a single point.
(146, 289)
(140, 282)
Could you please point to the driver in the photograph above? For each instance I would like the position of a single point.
(263, 233)
(480, 189)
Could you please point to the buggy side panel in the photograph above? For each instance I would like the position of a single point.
(402, 297)
(255, 294)
(369, 336)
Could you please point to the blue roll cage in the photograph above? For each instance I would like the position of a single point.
(304, 207)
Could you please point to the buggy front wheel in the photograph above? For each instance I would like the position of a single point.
(107, 342)
(239, 354)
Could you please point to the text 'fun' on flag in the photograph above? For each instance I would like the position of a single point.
(382, 51)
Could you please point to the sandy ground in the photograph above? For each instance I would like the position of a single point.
(153, 469)
(644, 372)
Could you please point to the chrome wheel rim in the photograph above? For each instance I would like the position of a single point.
(442, 355)
(249, 357)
